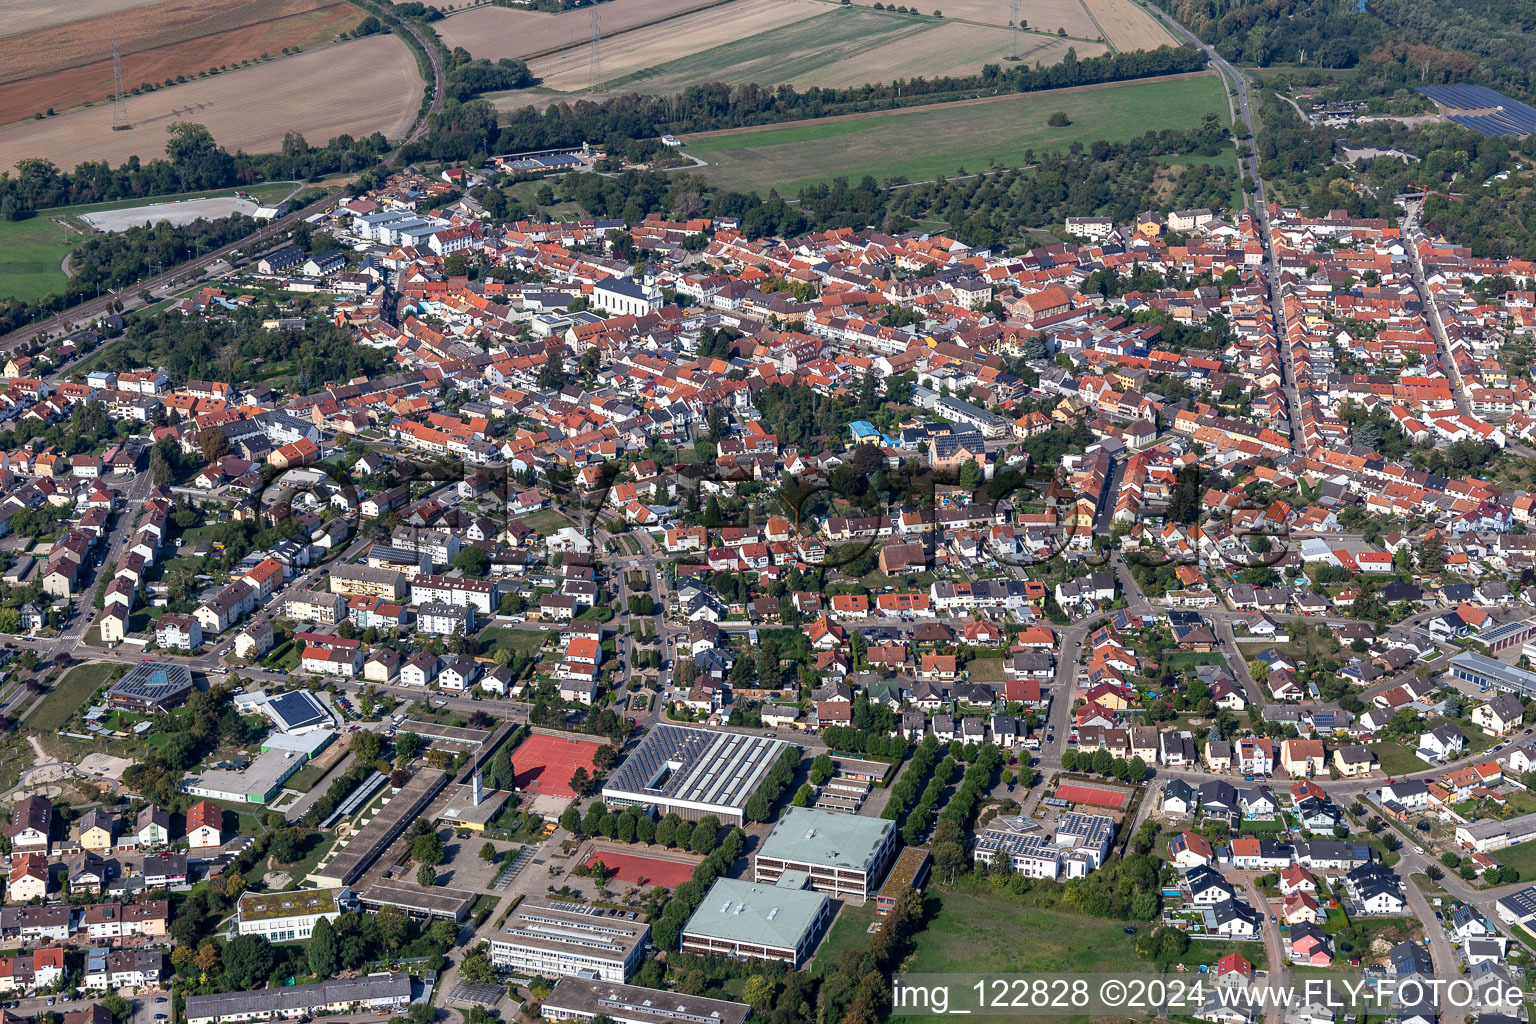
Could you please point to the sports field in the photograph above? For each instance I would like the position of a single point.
(644, 871)
(545, 764)
(1093, 796)
(356, 88)
(801, 42)
(32, 250)
(924, 142)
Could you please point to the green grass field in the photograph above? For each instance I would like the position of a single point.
(546, 521)
(1397, 759)
(972, 935)
(523, 641)
(849, 931)
(32, 250)
(69, 696)
(928, 141)
(1521, 857)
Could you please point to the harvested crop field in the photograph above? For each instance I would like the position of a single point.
(922, 142)
(497, 32)
(63, 66)
(23, 16)
(356, 88)
(949, 48)
(1038, 15)
(659, 46)
(1128, 26)
(774, 41)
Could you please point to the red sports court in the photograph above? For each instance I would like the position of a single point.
(544, 764)
(1092, 795)
(643, 870)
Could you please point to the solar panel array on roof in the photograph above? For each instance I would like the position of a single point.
(298, 709)
(1508, 116)
(695, 765)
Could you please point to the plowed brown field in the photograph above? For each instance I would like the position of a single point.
(65, 65)
(357, 87)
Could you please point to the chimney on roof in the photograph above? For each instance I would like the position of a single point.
(477, 791)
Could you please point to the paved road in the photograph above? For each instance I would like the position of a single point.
(1274, 949)
(1413, 236)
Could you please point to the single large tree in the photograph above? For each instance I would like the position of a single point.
(322, 949)
(214, 443)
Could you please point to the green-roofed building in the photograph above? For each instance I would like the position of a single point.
(291, 916)
(844, 855)
(758, 921)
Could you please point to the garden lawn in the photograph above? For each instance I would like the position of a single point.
(985, 670)
(1190, 659)
(69, 696)
(1521, 857)
(1397, 759)
(523, 641)
(546, 522)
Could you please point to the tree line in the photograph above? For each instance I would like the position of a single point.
(193, 162)
(1114, 179)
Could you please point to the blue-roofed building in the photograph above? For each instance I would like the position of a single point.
(865, 432)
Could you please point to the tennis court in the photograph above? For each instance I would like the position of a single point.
(1094, 796)
(545, 764)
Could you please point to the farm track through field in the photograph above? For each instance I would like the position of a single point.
(1102, 34)
(627, 29)
(866, 115)
(495, 32)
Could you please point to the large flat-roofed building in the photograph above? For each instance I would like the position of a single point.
(583, 999)
(844, 855)
(290, 916)
(381, 993)
(1518, 907)
(371, 840)
(694, 772)
(258, 783)
(297, 711)
(759, 922)
(1486, 834)
(151, 686)
(456, 735)
(432, 903)
(368, 582)
(1486, 671)
(557, 939)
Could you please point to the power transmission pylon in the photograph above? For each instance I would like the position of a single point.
(596, 76)
(1013, 28)
(119, 105)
